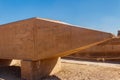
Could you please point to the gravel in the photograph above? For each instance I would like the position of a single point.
(75, 71)
(72, 70)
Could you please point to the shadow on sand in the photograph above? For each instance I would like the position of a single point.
(53, 77)
(10, 73)
(14, 73)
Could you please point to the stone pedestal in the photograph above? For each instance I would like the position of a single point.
(35, 70)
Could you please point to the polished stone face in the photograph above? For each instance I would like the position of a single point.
(35, 39)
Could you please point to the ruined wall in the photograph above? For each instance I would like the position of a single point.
(108, 50)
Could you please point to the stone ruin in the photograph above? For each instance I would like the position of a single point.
(118, 33)
(39, 44)
(106, 51)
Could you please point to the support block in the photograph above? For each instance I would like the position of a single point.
(5, 62)
(35, 70)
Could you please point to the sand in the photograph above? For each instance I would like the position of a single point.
(71, 70)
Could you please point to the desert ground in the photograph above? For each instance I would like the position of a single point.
(72, 70)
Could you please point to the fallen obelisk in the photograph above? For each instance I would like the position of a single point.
(40, 43)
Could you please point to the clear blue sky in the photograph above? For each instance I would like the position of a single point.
(95, 14)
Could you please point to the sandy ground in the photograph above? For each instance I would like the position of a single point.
(72, 70)
(82, 70)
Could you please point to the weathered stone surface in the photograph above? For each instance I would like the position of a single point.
(5, 62)
(108, 50)
(39, 43)
(35, 39)
(35, 70)
(16, 40)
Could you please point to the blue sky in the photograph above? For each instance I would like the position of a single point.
(101, 15)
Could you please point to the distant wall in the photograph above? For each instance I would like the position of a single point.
(119, 33)
(108, 50)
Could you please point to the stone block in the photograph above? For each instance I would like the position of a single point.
(35, 70)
